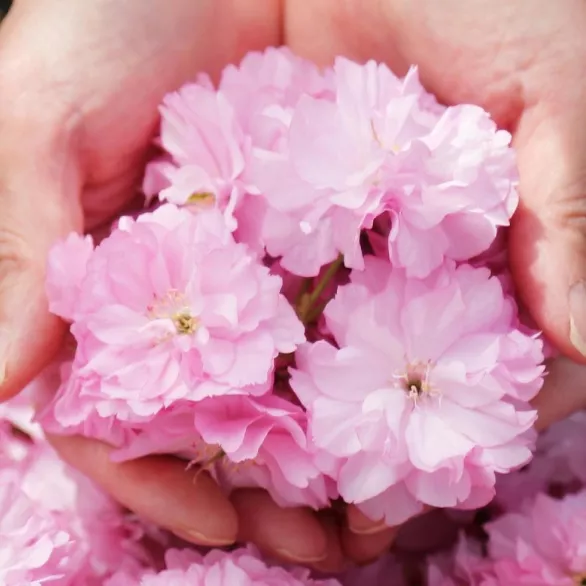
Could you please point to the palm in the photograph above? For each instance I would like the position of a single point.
(126, 60)
(100, 69)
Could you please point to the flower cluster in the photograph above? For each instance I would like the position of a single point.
(541, 543)
(238, 568)
(558, 465)
(315, 302)
(55, 526)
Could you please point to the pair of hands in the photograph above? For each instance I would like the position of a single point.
(80, 83)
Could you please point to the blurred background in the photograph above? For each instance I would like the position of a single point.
(4, 6)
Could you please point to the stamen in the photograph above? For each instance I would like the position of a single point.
(175, 307)
(185, 323)
(202, 199)
(415, 380)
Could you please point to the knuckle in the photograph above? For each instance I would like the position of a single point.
(16, 253)
(566, 205)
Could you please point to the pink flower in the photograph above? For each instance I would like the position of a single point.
(55, 526)
(563, 443)
(462, 566)
(171, 308)
(208, 136)
(265, 88)
(237, 568)
(543, 544)
(422, 401)
(243, 442)
(205, 151)
(300, 161)
(67, 268)
(446, 176)
(265, 445)
(558, 465)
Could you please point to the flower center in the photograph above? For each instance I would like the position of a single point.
(415, 380)
(185, 323)
(207, 456)
(203, 199)
(394, 148)
(580, 579)
(174, 306)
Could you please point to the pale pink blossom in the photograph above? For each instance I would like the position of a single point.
(423, 398)
(241, 567)
(243, 442)
(464, 565)
(563, 442)
(208, 136)
(55, 526)
(446, 176)
(172, 308)
(65, 273)
(264, 89)
(542, 544)
(265, 445)
(301, 160)
(204, 146)
(558, 465)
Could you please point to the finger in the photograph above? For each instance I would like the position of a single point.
(363, 539)
(563, 393)
(360, 524)
(364, 549)
(548, 234)
(158, 488)
(289, 534)
(334, 561)
(38, 205)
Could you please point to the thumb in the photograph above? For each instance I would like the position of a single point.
(38, 205)
(563, 392)
(548, 233)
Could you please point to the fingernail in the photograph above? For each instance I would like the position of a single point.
(371, 528)
(577, 302)
(301, 558)
(329, 567)
(332, 564)
(200, 539)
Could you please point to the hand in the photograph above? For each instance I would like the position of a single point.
(80, 83)
(524, 63)
(78, 95)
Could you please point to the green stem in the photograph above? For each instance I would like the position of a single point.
(314, 313)
(302, 291)
(308, 300)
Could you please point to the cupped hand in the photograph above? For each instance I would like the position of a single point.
(80, 83)
(79, 89)
(522, 61)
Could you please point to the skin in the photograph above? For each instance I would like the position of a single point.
(79, 87)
